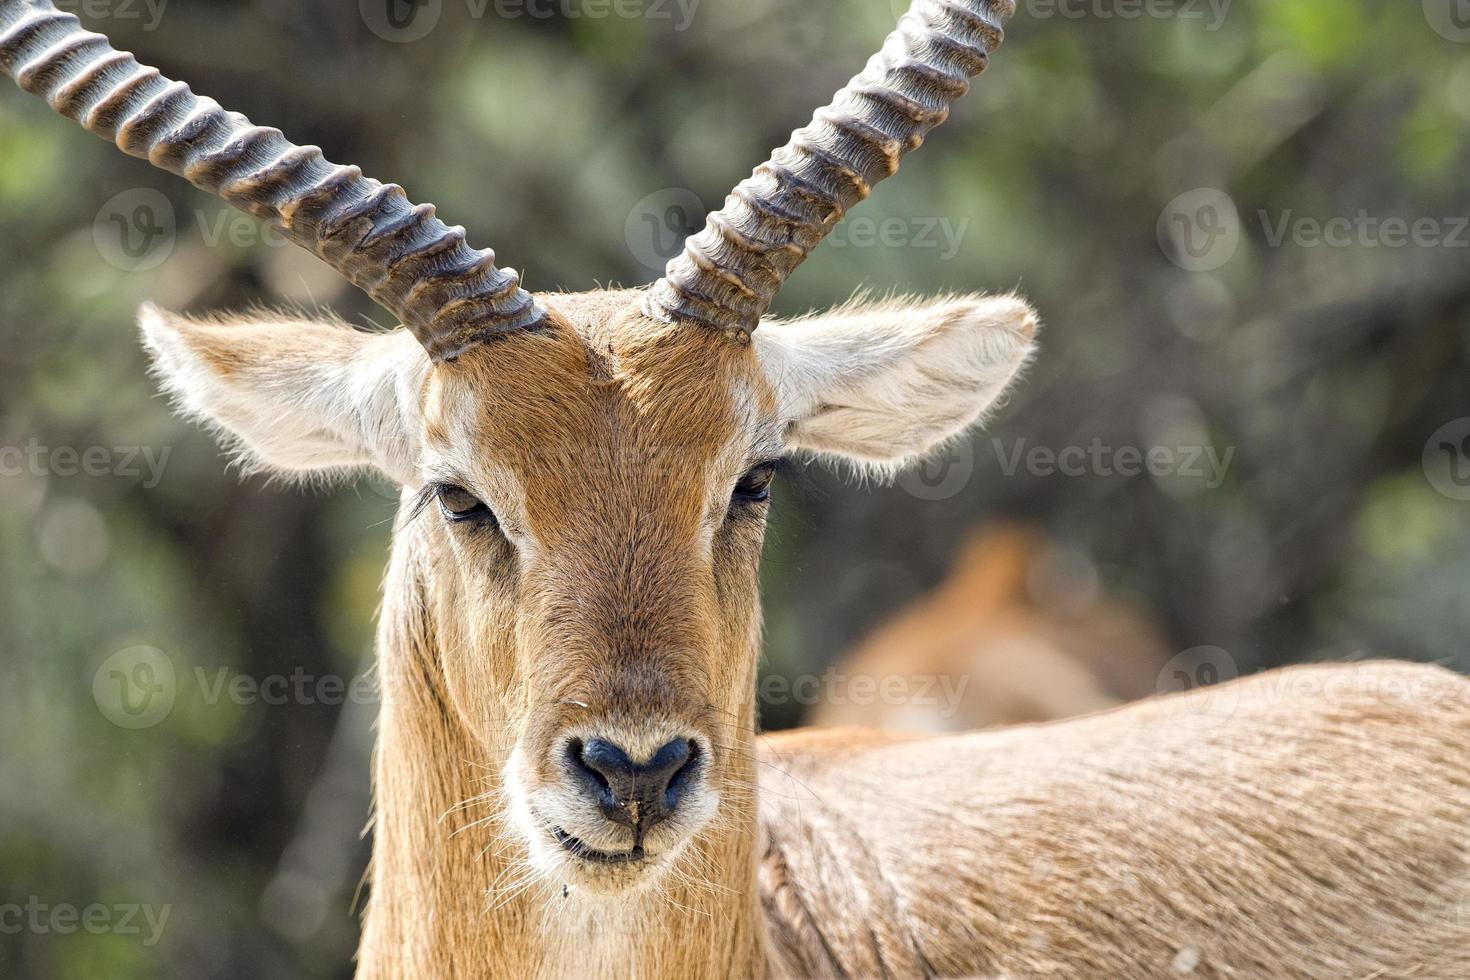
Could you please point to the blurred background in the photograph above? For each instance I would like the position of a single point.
(1246, 442)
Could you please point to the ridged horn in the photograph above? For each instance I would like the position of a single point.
(730, 272)
(449, 295)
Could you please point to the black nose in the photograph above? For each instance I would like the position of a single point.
(636, 796)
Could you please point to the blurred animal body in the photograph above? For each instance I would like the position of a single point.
(566, 773)
(1018, 632)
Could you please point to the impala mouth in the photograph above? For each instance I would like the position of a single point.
(578, 849)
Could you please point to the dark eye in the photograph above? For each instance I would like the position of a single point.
(755, 486)
(458, 504)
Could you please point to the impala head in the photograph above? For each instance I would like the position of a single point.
(586, 477)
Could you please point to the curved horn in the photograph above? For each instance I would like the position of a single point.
(449, 295)
(730, 272)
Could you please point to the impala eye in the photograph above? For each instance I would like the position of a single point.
(755, 486)
(458, 504)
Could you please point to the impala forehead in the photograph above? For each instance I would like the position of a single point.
(551, 425)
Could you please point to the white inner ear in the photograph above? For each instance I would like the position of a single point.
(884, 384)
(295, 397)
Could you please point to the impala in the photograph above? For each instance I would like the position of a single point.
(567, 777)
(1011, 637)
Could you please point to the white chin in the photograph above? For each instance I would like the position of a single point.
(594, 877)
(614, 880)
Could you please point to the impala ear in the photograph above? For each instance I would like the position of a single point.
(295, 396)
(882, 385)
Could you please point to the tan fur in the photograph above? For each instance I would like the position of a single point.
(1004, 653)
(1309, 823)
(605, 602)
(1325, 832)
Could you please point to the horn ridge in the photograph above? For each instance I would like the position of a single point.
(730, 272)
(448, 294)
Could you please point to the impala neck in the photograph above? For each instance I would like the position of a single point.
(450, 892)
